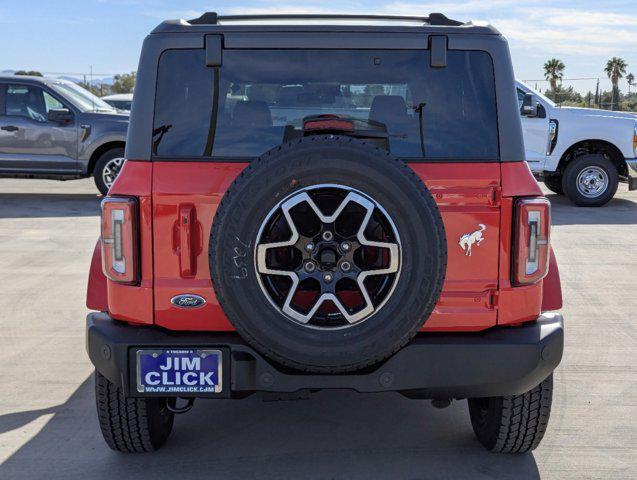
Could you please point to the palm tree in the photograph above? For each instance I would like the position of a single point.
(615, 69)
(554, 71)
(630, 78)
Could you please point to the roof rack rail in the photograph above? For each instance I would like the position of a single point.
(436, 19)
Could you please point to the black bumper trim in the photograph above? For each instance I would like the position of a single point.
(499, 361)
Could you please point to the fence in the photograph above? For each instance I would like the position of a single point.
(591, 92)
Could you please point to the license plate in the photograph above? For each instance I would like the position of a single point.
(179, 371)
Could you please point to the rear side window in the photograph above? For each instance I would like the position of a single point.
(183, 104)
(30, 102)
(261, 98)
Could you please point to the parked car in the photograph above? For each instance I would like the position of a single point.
(121, 101)
(580, 152)
(55, 129)
(305, 210)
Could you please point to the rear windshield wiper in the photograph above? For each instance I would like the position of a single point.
(159, 132)
(419, 110)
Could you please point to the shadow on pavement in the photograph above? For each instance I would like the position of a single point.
(618, 211)
(35, 205)
(336, 434)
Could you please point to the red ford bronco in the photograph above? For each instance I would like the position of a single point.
(324, 202)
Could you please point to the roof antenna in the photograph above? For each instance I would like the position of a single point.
(89, 89)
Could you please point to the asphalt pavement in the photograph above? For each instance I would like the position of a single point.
(48, 424)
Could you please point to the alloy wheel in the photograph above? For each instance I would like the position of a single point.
(111, 170)
(328, 256)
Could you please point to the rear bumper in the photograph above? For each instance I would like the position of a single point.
(632, 173)
(500, 361)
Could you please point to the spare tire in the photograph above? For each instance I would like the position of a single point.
(327, 254)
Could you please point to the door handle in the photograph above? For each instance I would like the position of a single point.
(187, 232)
(9, 128)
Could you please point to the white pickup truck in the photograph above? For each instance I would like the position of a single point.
(580, 152)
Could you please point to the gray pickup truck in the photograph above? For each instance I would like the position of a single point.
(51, 128)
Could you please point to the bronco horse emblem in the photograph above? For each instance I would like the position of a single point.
(468, 239)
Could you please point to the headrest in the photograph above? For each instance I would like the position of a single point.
(252, 113)
(388, 109)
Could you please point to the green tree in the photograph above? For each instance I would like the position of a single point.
(94, 89)
(615, 69)
(124, 83)
(566, 96)
(554, 71)
(630, 78)
(33, 73)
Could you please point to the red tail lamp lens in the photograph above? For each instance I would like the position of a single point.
(120, 241)
(531, 247)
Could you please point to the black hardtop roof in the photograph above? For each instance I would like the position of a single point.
(211, 22)
(215, 34)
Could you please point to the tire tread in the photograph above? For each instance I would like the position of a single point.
(523, 420)
(124, 421)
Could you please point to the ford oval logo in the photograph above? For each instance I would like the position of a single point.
(188, 300)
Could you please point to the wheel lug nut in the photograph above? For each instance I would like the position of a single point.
(310, 267)
(309, 247)
(346, 246)
(346, 266)
(328, 236)
(328, 277)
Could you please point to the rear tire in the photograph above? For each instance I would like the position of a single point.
(597, 168)
(513, 423)
(131, 425)
(554, 184)
(107, 168)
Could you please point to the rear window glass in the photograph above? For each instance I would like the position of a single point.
(261, 97)
(183, 104)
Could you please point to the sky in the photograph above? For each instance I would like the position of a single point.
(70, 36)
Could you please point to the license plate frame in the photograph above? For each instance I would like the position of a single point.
(147, 361)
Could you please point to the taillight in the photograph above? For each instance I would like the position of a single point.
(327, 121)
(120, 244)
(531, 240)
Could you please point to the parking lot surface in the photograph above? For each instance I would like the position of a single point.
(48, 425)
